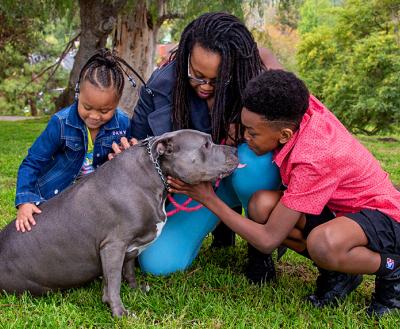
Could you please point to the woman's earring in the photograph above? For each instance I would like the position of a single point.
(77, 91)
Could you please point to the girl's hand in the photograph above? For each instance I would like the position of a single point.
(25, 216)
(124, 145)
(202, 192)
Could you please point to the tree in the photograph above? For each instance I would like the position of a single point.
(353, 64)
(26, 47)
(135, 23)
(135, 40)
(288, 13)
(97, 20)
(314, 14)
(138, 26)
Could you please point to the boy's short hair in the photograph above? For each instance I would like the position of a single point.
(278, 96)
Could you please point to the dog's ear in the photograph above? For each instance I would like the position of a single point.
(164, 146)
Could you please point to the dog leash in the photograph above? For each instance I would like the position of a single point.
(184, 205)
(178, 207)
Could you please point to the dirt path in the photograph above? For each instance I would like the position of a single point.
(15, 118)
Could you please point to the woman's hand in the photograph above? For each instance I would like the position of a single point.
(202, 192)
(124, 145)
(25, 216)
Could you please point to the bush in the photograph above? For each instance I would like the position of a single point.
(353, 64)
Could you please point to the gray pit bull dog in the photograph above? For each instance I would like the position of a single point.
(100, 224)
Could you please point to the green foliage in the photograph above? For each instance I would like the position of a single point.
(22, 21)
(314, 13)
(352, 64)
(316, 53)
(191, 9)
(288, 13)
(31, 28)
(18, 30)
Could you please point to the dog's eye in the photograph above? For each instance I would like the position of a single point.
(207, 145)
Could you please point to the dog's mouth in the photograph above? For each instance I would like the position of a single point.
(232, 168)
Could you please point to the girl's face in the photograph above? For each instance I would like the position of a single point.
(96, 106)
(203, 67)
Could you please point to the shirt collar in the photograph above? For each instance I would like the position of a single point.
(281, 154)
(73, 118)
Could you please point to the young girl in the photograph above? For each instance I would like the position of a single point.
(76, 140)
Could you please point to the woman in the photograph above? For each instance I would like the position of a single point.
(201, 88)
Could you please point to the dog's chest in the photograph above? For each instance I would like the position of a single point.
(159, 228)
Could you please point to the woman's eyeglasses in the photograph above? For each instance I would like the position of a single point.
(198, 82)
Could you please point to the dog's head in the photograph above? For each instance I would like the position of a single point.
(192, 156)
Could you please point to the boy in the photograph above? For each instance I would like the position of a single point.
(339, 207)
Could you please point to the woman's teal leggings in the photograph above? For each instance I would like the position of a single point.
(184, 232)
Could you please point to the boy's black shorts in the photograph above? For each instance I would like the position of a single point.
(312, 221)
(382, 231)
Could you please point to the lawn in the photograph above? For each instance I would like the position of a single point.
(213, 293)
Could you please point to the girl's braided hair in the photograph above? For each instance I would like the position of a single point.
(105, 69)
(226, 35)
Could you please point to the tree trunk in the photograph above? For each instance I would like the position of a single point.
(32, 105)
(98, 19)
(135, 41)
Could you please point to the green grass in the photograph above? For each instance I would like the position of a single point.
(213, 293)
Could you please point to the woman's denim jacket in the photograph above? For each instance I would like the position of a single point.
(56, 157)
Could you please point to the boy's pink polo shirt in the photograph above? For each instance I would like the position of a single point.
(324, 165)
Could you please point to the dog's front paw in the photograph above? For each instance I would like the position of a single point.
(145, 287)
(121, 311)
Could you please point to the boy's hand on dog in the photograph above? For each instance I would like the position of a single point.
(201, 192)
(124, 145)
(25, 216)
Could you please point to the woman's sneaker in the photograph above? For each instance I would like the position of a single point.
(333, 287)
(223, 236)
(386, 298)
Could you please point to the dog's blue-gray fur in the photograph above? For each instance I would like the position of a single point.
(87, 230)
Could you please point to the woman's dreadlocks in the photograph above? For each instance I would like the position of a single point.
(226, 35)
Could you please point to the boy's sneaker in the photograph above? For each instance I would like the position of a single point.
(260, 267)
(386, 298)
(333, 287)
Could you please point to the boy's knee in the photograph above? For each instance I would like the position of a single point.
(261, 204)
(323, 248)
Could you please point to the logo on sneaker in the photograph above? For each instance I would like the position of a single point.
(389, 263)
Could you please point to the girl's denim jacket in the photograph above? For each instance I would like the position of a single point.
(56, 157)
